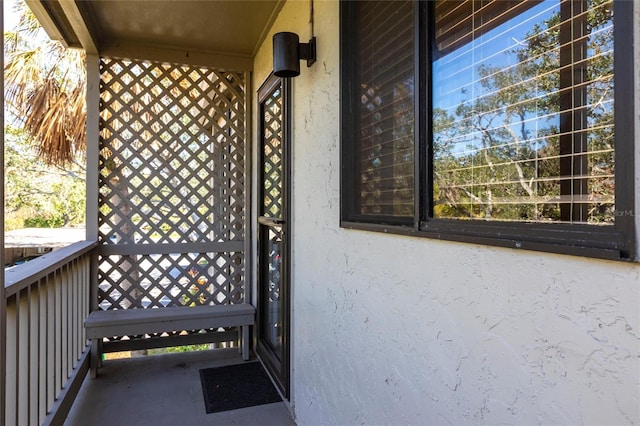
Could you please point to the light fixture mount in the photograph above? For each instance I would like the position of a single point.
(288, 52)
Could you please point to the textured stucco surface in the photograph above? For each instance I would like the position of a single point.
(399, 330)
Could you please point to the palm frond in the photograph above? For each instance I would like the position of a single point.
(45, 91)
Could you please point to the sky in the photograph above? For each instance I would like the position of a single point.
(10, 18)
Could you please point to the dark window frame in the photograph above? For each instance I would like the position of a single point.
(617, 241)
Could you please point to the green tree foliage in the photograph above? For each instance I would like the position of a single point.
(45, 86)
(36, 194)
(45, 120)
(510, 168)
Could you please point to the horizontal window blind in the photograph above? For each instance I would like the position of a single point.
(384, 40)
(523, 111)
(458, 22)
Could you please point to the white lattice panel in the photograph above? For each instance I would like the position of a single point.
(172, 173)
(171, 280)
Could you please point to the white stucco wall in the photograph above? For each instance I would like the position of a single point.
(398, 330)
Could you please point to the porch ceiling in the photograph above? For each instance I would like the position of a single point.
(230, 28)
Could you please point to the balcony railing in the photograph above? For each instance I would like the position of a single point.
(47, 355)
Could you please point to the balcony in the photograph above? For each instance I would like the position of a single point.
(386, 328)
(168, 190)
(47, 361)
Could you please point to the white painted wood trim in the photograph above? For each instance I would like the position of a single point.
(61, 407)
(138, 51)
(268, 26)
(248, 191)
(172, 248)
(124, 322)
(45, 20)
(20, 278)
(73, 15)
(93, 148)
(45, 334)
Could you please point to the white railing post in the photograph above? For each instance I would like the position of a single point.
(46, 354)
(93, 149)
(92, 159)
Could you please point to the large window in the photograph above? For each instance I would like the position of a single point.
(383, 116)
(490, 121)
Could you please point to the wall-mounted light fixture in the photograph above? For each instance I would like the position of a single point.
(288, 52)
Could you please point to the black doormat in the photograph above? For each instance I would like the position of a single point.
(236, 386)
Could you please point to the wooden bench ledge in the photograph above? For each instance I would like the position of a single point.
(127, 322)
(123, 322)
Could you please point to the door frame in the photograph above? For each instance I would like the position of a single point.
(279, 371)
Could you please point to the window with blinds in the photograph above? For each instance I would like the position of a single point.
(383, 107)
(492, 122)
(523, 111)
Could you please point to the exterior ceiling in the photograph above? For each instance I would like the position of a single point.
(222, 27)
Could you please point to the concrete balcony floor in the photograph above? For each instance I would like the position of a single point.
(163, 390)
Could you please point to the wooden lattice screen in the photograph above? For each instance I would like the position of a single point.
(171, 185)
